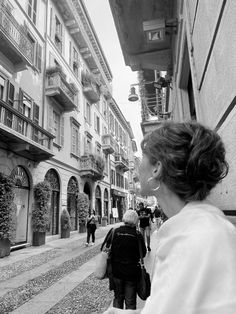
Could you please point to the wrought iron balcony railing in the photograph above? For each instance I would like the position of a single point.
(14, 43)
(89, 168)
(21, 135)
(58, 88)
(108, 144)
(121, 163)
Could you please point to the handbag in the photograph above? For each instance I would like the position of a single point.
(103, 268)
(144, 282)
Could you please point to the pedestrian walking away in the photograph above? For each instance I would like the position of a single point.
(145, 219)
(125, 258)
(195, 269)
(91, 228)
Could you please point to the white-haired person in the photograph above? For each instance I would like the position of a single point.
(125, 260)
(195, 269)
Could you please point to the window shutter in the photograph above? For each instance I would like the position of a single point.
(70, 54)
(63, 40)
(50, 119)
(10, 94)
(85, 146)
(52, 24)
(79, 143)
(73, 140)
(20, 102)
(95, 122)
(62, 131)
(39, 57)
(36, 113)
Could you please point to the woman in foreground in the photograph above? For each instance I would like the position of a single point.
(195, 271)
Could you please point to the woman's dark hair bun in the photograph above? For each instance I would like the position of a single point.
(192, 157)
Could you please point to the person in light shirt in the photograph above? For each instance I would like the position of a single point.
(195, 268)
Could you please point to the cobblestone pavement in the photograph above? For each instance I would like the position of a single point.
(55, 278)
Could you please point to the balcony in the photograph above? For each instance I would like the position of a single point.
(90, 168)
(22, 136)
(14, 43)
(108, 144)
(58, 88)
(132, 187)
(145, 32)
(90, 88)
(121, 163)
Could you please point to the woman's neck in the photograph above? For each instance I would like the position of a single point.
(170, 203)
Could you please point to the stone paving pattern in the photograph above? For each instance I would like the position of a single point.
(55, 278)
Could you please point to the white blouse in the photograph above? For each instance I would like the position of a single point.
(195, 271)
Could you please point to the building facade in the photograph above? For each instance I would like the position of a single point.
(54, 110)
(183, 49)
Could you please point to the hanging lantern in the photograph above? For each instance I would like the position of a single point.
(132, 96)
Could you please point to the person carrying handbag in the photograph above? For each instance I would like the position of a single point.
(125, 257)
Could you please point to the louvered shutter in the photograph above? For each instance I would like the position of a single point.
(50, 119)
(62, 131)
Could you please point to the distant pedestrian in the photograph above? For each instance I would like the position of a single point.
(91, 228)
(145, 219)
(125, 260)
(157, 215)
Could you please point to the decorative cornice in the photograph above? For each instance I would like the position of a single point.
(90, 31)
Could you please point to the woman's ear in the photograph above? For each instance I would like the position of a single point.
(157, 170)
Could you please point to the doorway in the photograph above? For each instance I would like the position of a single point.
(21, 201)
(53, 223)
(98, 203)
(72, 191)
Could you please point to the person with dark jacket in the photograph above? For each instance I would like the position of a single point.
(91, 228)
(145, 220)
(125, 260)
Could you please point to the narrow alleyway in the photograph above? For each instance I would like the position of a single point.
(57, 278)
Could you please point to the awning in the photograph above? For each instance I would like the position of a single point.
(118, 193)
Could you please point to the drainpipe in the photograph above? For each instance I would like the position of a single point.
(44, 66)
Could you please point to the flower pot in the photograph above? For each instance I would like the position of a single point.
(82, 228)
(5, 247)
(65, 233)
(38, 238)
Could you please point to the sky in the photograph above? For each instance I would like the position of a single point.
(102, 20)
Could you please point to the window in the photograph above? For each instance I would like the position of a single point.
(2, 87)
(88, 145)
(25, 104)
(126, 184)
(88, 113)
(116, 129)
(113, 177)
(10, 94)
(37, 51)
(75, 143)
(120, 135)
(106, 163)
(32, 10)
(58, 34)
(98, 149)
(111, 124)
(75, 64)
(97, 123)
(56, 126)
(104, 110)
